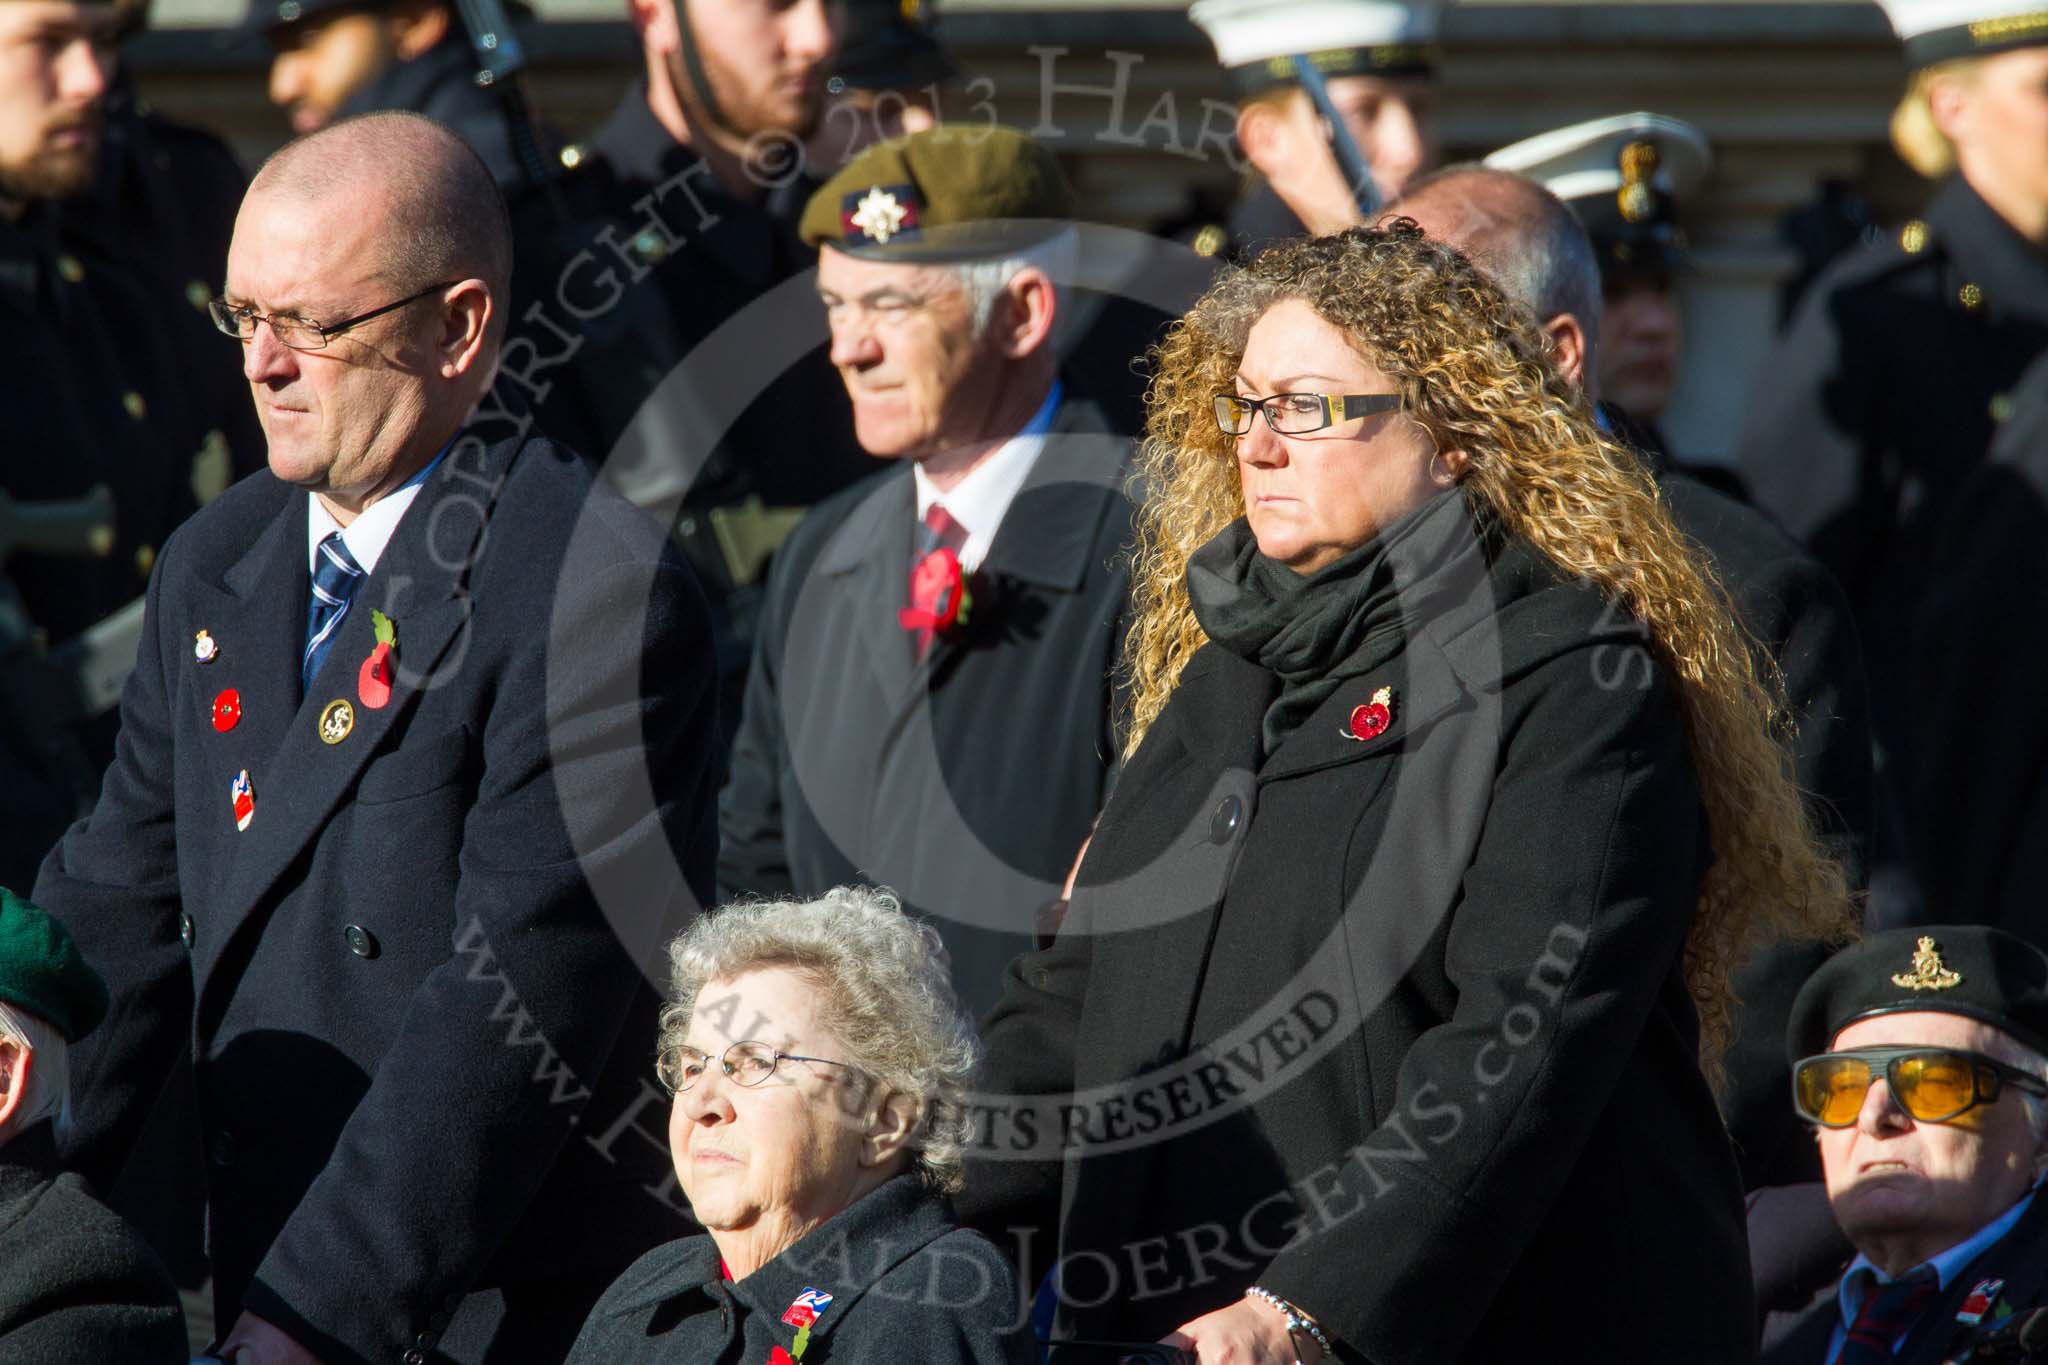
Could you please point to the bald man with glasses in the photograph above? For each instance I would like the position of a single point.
(416, 749)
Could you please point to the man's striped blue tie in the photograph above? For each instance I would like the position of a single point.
(336, 576)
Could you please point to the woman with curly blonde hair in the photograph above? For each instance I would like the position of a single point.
(1456, 794)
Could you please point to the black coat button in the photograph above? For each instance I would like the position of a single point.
(224, 1150)
(361, 941)
(1223, 824)
(186, 931)
(425, 1341)
(414, 1357)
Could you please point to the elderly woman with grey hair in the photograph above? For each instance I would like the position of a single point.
(818, 1056)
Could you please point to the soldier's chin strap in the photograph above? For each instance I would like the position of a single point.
(699, 79)
(1351, 164)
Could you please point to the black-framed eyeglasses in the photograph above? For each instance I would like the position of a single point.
(297, 333)
(1294, 414)
(749, 1063)
(1933, 1084)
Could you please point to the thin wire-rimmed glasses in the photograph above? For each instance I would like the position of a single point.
(1296, 414)
(749, 1063)
(297, 333)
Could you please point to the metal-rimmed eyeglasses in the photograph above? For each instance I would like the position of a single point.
(1933, 1084)
(748, 1063)
(298, 333)
(1296, 414)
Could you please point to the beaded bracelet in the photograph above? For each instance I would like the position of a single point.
(1297, 1321)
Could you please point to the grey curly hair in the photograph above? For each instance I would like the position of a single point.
(884, 989)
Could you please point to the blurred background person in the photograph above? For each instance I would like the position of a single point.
(1378, 60)
(954, 622)
(1920, 1058)
(334, 58)
(819, 1061)
(77, 1285)
(1530, 243)
(108, 446)
(891, 79)
(1349, 539)
(1880, 401)
(1624, 177)
(672, 219)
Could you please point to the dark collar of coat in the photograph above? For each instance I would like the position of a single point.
(844, 1257)
(1046, 535)
(850, 1252)
(1987, 251)
(28, 1161)
(1519, 613)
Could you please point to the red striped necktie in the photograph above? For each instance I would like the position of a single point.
(1888, 1313)
(938, 531)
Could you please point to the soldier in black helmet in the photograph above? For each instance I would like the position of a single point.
(334, 58)
(890, 80)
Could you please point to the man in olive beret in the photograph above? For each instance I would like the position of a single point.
(77, 1285)
(951, 622)
(1921, 1058)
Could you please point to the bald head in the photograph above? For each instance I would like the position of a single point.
(442, 217)
(1519, 233)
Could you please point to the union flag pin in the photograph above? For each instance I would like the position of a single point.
(1371, 720)
(244, 798)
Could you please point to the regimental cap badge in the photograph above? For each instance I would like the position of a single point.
(1929, 972)
(880, 214)
(1639, 162)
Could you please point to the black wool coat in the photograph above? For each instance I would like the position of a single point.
(77, 1285)
(906, 1283)
(968, 780)
(1393, 1027)
(411, 986)
(2018, 1260)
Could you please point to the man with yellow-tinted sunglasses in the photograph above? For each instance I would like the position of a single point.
(1921, 1058)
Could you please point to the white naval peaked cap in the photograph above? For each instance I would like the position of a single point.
(1938, 30)
(1256, 40)
(1589, 158)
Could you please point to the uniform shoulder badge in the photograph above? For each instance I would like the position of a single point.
(1929, 972)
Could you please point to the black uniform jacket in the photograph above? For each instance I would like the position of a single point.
(906, 1283)
(1880, 402)
(77, 1285)
(441, 84)
(2019, 1260)
(404, 983)
(965, 782)
(1393, 1027)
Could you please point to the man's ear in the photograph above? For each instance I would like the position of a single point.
(1024, 322)
(417, 26)
(1262, 134)
(1568, 348)
(655, 22)
(893, 1129)
(1948, 104)
(466, 314)
(15, 1062)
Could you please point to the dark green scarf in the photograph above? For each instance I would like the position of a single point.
(1344, 620)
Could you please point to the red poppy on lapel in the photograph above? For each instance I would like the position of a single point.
(778, 1356)
(227, 710)
(1371, 720)
(373, 680)
(939, 599)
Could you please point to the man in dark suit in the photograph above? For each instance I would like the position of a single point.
(413, 775)
(1918, 1056)
(78, 1286)
(930, 704)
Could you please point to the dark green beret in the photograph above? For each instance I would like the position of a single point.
(1968, 969)
(955, 192)
(42, 973)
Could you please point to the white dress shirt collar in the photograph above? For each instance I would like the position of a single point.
(372, 530)
(979, 501)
